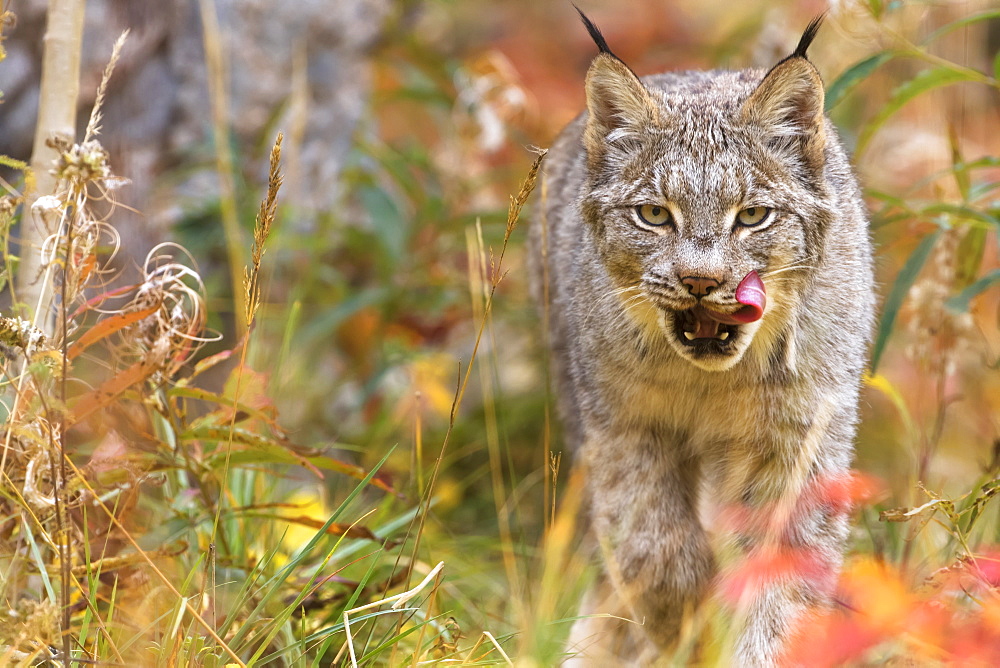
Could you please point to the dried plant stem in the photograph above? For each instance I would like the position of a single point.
(29, 515)
(398, 601)
(478, 284)
(58, 93)
(60, 479)
(262, 231)
(928, 446)
(217, 76)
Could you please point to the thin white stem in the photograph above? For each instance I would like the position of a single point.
(398, 601)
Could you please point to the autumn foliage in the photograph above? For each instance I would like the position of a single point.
(344, 450)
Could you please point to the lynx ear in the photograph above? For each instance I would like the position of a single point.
(618, 105)
(788, 104)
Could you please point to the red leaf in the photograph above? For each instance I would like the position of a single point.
(768, 565)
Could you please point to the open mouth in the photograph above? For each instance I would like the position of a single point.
(712, 331)
(703, 329)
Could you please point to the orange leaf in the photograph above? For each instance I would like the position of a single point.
(878, 593)
(205, 364)
(107, 327)
(828, 640)
(109, 390)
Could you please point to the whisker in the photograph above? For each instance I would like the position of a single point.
(621, 316)
(782, 270)
(614, 292)
(798, 263)
(620, 291)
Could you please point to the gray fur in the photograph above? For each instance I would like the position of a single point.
(665, 430)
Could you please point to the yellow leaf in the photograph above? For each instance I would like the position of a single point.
(432, 380)
(883, 385)
(878, 593)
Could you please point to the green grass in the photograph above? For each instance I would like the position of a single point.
(170, 498)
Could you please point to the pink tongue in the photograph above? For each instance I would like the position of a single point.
(750, 293)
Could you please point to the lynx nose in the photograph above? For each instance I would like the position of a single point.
(699, 286)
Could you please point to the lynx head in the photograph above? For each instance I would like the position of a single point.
(705, 192)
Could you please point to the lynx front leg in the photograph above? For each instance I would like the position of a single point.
(768, 611)
(794, 516)
(658, 562)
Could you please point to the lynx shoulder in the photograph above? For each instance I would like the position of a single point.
(700, 252)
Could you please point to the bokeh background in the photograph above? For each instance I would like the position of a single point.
(408, 124)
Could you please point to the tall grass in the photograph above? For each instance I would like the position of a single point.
(154, 504)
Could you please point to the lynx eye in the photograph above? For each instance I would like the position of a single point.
(753, 216)
(654, 214)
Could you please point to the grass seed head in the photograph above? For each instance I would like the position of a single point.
(940, 337)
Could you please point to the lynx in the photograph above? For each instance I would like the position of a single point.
(702, 257)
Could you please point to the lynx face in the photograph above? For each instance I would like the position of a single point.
(691, 200)
(695, 223)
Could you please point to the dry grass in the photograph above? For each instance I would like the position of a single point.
(150, 518)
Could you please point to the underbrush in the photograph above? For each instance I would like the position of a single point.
(157, 509)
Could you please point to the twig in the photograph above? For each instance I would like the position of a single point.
(499, 648)
(399, 600)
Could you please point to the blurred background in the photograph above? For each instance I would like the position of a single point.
(408, 124)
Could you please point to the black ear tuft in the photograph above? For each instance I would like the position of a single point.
(595, 33)
(808, 36)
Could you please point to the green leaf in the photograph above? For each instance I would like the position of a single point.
(960, 302)
(969, 256)
(964, 21)
(854, 75)
(387, 220)
(987, 492)
(960, 213)
(212, 419)
(924, 81)
(984, 162)
(250, 449)
(962, 179)
(897, 295)
(888, 198)
(324, 324)
(271, 588)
